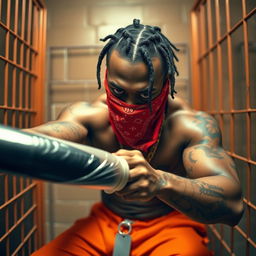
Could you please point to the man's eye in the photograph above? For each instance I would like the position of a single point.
(118, 91)
(144, 95)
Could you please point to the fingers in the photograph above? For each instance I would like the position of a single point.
(142, 183)
(133, 157)
(124, 152)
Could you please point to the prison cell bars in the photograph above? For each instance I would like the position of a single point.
(22, 28)
(203, 47)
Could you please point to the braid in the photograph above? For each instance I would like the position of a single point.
(169, 69)
(101, 57)
(138, 42)
(148, 61)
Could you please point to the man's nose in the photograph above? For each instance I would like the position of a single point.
(130, 100)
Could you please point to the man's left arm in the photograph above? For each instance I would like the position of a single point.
(211, 192)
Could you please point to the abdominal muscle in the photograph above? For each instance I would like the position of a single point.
(135, 209)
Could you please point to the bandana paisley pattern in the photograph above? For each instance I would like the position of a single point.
(136, 126)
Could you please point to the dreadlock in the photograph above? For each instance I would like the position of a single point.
(139, 42)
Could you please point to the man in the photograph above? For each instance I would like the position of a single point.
(180, 176)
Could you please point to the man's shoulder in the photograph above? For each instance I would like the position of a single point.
(92, 114)
(194, 124)
(180, 109)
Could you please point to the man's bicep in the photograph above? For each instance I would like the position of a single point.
(204, 155)
(204, 160)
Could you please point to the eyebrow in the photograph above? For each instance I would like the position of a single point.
(139, 91)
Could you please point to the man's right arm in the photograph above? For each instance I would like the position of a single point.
(69, 125)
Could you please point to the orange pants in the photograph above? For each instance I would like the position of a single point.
(173, 234)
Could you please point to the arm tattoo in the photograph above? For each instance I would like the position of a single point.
(65, 128)
(208, 189)
(194, 203)
(208, 126)
(190, 158)
(211, 152)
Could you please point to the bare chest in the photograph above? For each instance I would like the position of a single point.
(168, 156)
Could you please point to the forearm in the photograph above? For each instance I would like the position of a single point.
(205, 200)
(62, 130)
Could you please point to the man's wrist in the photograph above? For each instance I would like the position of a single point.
(163, 182)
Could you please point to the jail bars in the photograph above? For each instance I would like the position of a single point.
(22, 47)
(224, 85)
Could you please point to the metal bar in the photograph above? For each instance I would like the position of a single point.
(24, 240)
(219, 67)
(245, 236)
(23, 16)
(248, 222)
(224, 37)
(20, 38)
(203, 47)
(29, 28)
(247, 16)
(250, 204)
(14, 87)
(19, 66)
(7, 202)
(16, 17)
(211, 60)
(230, 78)
(39, 106)
(249, 161)
(229, 32)
(18, 222)
(26, 92)
(237, 111)
(248, 118)
(36, 23)
(7, 40)
(38, 87)
(6, 68)
(20, 109)
(247, 81)
(218, 235)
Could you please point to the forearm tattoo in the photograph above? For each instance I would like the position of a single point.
(65, 130)
(205, 202)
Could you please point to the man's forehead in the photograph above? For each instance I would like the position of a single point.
(127, 69)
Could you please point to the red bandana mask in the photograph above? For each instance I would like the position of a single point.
(134, 125)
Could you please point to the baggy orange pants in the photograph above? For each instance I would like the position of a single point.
(173, 234)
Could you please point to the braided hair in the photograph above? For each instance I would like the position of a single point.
(139, 42)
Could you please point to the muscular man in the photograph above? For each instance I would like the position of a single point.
(180, 176)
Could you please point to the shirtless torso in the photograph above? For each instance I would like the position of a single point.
(190, 171)
(186, 136)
